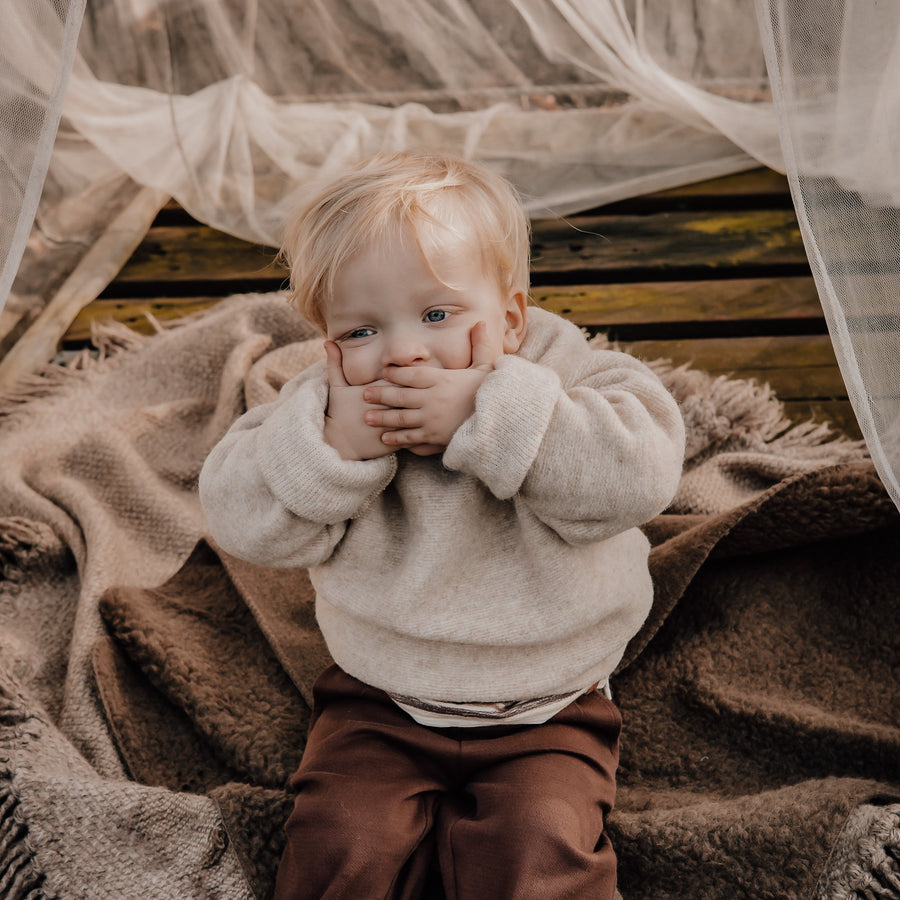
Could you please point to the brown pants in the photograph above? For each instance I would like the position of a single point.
(511, 811)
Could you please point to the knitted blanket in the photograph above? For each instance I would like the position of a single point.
(154, 691)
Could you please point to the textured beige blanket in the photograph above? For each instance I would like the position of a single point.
(145, 734)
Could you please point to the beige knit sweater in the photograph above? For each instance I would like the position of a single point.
(510, 567)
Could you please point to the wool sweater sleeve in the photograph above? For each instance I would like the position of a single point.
(588, 441)
(274, 492)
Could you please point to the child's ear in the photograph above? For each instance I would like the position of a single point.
(515, 321)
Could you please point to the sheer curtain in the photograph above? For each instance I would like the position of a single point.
(225, 104)
(37, 51)
(835, 74)
(577, 101)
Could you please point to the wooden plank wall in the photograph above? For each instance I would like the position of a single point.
(714, 274)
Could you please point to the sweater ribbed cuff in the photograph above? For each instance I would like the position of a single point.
(332, 489)
(498, 443)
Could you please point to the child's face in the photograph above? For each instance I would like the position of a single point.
(389, 309)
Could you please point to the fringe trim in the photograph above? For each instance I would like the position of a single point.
(723, 414)
(878, 874)
(20, 876)
(57, 375)
(874, 874)
(110, 340)
(20, 879)
(23, 541)
(33, 387)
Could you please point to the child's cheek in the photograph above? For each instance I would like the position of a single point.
(459, 356)
(359, 367)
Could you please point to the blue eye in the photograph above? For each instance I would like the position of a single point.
(359, 333)
(436, 315)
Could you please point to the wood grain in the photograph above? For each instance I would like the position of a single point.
(712, 274)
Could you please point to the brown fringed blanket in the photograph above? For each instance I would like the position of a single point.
(154, 691)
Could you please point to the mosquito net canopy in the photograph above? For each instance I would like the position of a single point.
(109, 108)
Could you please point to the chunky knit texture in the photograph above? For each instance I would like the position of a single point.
(509, 568)
(140, 741)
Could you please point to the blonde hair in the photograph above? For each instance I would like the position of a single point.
(436, 196)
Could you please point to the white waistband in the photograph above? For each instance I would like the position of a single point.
(446, 714)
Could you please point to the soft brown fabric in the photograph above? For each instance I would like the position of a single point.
(760, 706)
(234, 725)
(282, 601)
(127, 766)
(196, 642)
(98, 489)
(765, 707)
(159, 745)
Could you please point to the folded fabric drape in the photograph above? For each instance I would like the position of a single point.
(154, 692)
(228, 107)
(835, 74)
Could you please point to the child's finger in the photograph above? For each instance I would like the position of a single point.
(482, 354)
(389, 395)
(406, 438)
(394, 418)
(333, 365)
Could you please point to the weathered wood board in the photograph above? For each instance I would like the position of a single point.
(713, 274)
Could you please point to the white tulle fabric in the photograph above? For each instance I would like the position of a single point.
(835, 74)
(37, 50)
(226, 105)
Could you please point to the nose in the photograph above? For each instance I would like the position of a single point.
(405, 348)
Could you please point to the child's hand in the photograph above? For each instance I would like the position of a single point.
(345, 426)
(423, 406)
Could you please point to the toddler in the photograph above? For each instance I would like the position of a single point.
(464, 477)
